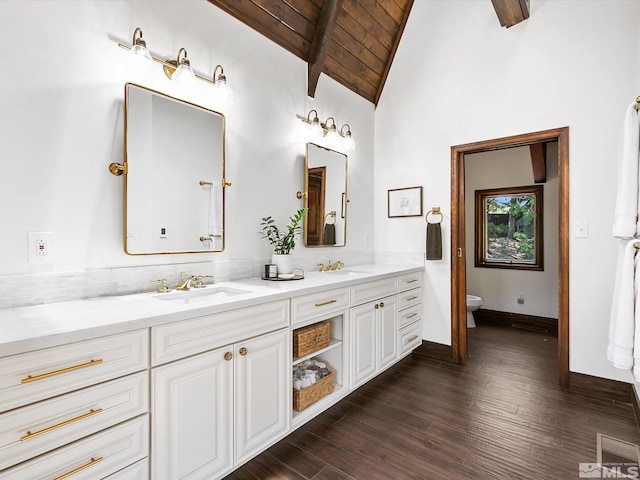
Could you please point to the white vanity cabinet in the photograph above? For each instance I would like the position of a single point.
(373, 338)
(88, 400)
(374, 328)
(409, 312)
(216, 409)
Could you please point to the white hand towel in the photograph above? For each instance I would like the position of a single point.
(627, 201)
(623, 321)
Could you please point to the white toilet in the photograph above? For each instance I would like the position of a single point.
(473, 304)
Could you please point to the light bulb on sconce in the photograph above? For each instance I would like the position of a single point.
(139, 46)
(183, 73)
(222, 92)
(315, 127)
(347, 140)
(332, 136)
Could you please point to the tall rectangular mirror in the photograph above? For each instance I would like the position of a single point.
(325, 224)
(174, 175)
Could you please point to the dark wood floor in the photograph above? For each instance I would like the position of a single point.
(500, 416)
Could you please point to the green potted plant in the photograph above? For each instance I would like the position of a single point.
(283, 240)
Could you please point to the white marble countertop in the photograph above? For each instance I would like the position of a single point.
(32, 328)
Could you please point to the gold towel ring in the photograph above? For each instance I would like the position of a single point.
(434, 211)
(331, 214)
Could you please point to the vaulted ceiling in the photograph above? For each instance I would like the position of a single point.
(351, 41)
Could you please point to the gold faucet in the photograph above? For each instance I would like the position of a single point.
(330, 266)
(186, 283)
(336, 266)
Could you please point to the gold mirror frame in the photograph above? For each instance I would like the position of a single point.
(326, 203)
(172, 198)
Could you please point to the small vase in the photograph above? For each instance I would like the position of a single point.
(284, 262)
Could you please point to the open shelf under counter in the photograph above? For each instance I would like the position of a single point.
(333, 343)
(298, 418)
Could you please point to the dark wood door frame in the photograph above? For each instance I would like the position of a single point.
(458, 248)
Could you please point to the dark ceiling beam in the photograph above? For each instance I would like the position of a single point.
(320, 43)
(539, 162)
(392, 53)
(511, 12)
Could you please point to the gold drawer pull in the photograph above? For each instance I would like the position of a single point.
(325, 303)
(411, 339)
(411, 298)
(412, 281)
(412, 315)
(244, 351)
(58, 372)
(61, 424)
(228, 356)
(80, 468)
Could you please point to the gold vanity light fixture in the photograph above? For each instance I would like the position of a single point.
(178, 70)
(341, 139)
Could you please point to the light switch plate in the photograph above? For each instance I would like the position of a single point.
(581, 230)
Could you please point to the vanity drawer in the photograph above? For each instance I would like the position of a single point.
(410, 337)
(189, 337)
(410, 280)
(319, 305)
(29, 431)
(29, 377)
(367, 292)
(93, 458)
(409, 298)
(409, 316)
(137, 471)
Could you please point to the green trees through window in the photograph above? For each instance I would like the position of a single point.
(509, 228)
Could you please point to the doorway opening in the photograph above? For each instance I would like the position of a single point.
(459, 234)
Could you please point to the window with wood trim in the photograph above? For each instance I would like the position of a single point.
(508, 228)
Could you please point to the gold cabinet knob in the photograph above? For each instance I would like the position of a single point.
(381, 304)
(228, 356)
(243, 351)
(376, 306)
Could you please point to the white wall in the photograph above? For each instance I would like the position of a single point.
(499, 287)
(62, 125)
(458, 77)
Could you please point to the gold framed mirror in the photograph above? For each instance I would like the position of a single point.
(174, 175)
(325, 184)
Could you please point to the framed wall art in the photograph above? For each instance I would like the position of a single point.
(405, 202)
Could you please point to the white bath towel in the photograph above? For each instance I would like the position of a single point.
(623, 319)
(627, 202)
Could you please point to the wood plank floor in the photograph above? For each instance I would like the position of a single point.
(500, 416)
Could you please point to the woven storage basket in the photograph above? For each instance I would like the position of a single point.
(309, 339)
(310, 395)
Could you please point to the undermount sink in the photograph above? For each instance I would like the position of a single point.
(346, 272)
(200, 294)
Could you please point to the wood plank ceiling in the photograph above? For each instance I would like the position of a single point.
(351, 41)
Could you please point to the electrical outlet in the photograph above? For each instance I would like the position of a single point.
(40, 247)
(521, 299)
